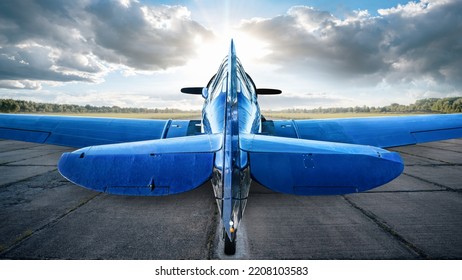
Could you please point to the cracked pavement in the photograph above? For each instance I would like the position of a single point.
(416, 216)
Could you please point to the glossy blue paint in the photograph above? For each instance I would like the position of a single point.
(307, 167)
(231, 92)
(78, 131)
(161, 157)
(149, 168)
(382, 132)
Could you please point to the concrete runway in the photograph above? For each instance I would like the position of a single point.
(417, 216)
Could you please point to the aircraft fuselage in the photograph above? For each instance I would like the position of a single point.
(230, 109)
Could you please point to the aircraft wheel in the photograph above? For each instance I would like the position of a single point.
(230, 246)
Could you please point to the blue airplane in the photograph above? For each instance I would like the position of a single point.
(231, 146)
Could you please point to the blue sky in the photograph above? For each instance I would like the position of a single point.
(319, 53)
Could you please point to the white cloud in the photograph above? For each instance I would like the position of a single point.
(62, 41)
(22, 84)
(409, 50)
(404, 44)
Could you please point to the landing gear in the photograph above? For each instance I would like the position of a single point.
(230, 246)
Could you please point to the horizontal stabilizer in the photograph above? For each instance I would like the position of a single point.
(146, 168)
(306, 167)
(268, 91)
(192, 90)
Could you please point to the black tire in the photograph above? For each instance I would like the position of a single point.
(230, 246)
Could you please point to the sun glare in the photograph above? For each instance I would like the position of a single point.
(248, 49)
(210, 53)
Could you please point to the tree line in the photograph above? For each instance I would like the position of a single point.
(21, 106)
(428, 105)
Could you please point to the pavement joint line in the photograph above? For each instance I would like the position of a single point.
(28, 178)
(411, 154)
(389, 230)
(408, 191)
(24, 238)
(23, 148)
(5, 163)
(437, 164)
(440, 148)
(434, 183)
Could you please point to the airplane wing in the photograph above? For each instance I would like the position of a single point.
(122, 156)
(381, 132)
(85, 131)
(148, 168)
(338, 156)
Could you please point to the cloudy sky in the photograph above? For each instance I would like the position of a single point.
(319, 53)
